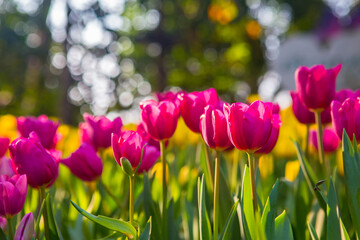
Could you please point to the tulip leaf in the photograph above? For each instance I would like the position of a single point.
(313, 233)
(283, 228)
(351, 160)
(228, 226)
(204, 222)
(110, 223)
(269, 213)
(333, 218)
(54, 229)
(2, 235)
(39, 217)
(309, 176)
(145, 235)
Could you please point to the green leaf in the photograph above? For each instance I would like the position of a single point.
(309, 176)
(145, 235)
(351, 160)
(312, 231)
(269, 213)
(247, 206)
(54, 230)
(333, 218)
(2, 235)
(204, 222)
(110, 223)
(227, 230)
(39, 217)
(283, 228)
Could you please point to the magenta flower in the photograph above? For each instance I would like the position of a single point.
(213, 128)
(170, 95)
(331, 141)
(346, 116)
(159, 118)
(25, 230)
(316, 86)
(97, 130)
(343, 94)
(192, 106)
(42, 126)
(146, 136)
(274, 135)
(129, 145)
(4, 145)
(3, 223)
(250, 127)
(32, 159)
(7, 167)
(84, 163)
(12, 194)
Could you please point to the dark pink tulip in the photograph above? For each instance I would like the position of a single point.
(25, 230)
(346, 116)
(32, 159)
(192, 106)
(343, 94)
(146, 137)
(42, 126)
(129, 145)
(170, 95)
(97, 130)
(331, 141)
(302, 113)
(159, 118)
(316, 86)
(213, 129)
(4, 145)
(84, 163)
(7, 167)
(12, 194)
(274, 135)
(249, 127)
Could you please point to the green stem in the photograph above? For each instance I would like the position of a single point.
(216, 195)
(252, 179)
(320, 142)
(132, 198)
(163, 161)
(10, 228)
(46, 222)
(307, 141)
(209, 165)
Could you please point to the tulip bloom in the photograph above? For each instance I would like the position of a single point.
(213, 129)
(97, 130)
(7, 167)
(145, 135)
(331, 141)
(346, 116)
(159, 118)
(250, 127)
(13, 194)
(343, 94)
(192, 106)
(316, 86)
(32, 159)
(170, 95)
(4, 145)
(84, 163)
(25, 230)
(129, 145)
(274, 135)
(42, 126)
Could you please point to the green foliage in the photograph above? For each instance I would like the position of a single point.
(204, 222)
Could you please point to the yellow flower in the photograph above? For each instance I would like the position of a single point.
(70, 140)
(183, 135)
(253, 97)
(292, 170)
(157, 170)
(266, 165)
(8, 126)
(130, 126)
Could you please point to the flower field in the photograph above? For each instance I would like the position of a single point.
(195, 167)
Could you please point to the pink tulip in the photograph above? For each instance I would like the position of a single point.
(331, 141)
(192, 106)
(12, 194)
(304, 115)
(4, 145)
(343, 94)
(250, 127)
(129, 145)
(316, 86)
(84, 163)
(25, 230)
(346, 116)
(97, 130)
(32, 159)
(213, 129)
(146, 137)
(274, 135)
(42, 126)
(171, 96)
(7, 167)
(159, 118)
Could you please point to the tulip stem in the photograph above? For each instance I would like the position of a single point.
(46, 222)
(209, 165)
(163, 161)
(132, 198)
(320, 142)
(307, 141)
(216, 195)
(10, 228)
(252, 179)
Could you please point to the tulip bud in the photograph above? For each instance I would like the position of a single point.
(126, 166)
(25, 230)
(13, 195)
(330, 140)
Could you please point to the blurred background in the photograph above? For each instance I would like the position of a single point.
(66, 57)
